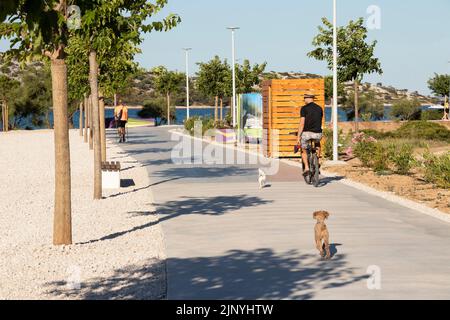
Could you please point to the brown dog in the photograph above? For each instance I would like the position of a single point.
(321, 234)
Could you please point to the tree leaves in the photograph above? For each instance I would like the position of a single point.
(440, 84)
(355, 55)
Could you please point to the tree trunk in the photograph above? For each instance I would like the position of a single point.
(62, 223)
(216, 104)
(6, 116)
(168, 109)
(80, 122)
(93, 79)
(86, 119)
(101, 105)
(91, 127)
(221, 109)
(47, 119)
(3, 116)
(356, 83)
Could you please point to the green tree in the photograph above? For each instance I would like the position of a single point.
(109, 34)
(329, 89)
(369, 106)
(166, 83)
(38, 28)
(248, 76)
(406, 109)
(440, 85)
(35, 97)
(355, 54)
(214, 80)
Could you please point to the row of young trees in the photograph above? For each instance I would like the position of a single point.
(96, 51)
(213, 80)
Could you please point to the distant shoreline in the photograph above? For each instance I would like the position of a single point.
(177, 107)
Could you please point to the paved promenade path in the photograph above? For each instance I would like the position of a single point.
(226, 239)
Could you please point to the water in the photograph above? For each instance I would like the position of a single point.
(181, 115)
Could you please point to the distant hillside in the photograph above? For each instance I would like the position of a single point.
(141, 87)
(389, 94)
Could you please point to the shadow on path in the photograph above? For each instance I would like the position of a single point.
(214, 206)
(206, 172)
(236, 275)
(258, 274)
(143, 282)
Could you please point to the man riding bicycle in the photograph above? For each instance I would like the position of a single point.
(121, 117)
(310, 128)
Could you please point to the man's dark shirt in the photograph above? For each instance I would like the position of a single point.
(313, 115)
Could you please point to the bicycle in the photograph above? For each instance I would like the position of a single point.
(313, 178)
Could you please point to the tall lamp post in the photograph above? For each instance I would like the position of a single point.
(186, 50)
(448, 100)
(335, 87)
(233, 59)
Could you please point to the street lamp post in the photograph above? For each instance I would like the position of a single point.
(448, 100)
(187, 81)
(233, 59)
(335, 87)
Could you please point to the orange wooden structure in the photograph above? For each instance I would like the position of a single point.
(282, 102)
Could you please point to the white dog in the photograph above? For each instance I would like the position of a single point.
(262, 179)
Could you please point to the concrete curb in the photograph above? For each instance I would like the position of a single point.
(410, 204)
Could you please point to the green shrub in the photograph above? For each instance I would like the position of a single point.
(376, 134)
(381, 159)
(437, 169)
(423, 130)
(365, 151)
(432, 115)
(153, 109)
(189, 124)
(327, 149)
(207, 124)
(402, 157)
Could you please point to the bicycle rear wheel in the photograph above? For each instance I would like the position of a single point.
(315, 170)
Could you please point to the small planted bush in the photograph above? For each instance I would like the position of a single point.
(207, 124)
(402, 157)
(328, 147)
(364, 148)
(380, 161)
(437, 169)
(382, 157)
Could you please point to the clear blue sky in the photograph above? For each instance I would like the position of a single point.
(413, 42)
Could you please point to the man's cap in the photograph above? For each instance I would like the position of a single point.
(310, 96)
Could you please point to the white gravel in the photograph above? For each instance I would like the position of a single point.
(118, 250)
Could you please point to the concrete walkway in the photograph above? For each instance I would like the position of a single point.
(226, 239)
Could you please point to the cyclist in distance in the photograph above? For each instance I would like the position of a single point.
(310, 128)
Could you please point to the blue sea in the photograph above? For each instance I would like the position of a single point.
(181, 115)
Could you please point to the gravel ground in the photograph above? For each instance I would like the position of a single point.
(118, 250)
